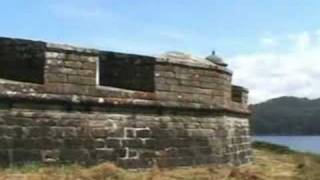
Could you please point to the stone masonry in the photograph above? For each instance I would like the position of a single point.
(64, 104)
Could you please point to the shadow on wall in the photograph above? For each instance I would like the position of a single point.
(125, 71)
(22, 61)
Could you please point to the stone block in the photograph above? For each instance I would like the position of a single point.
(58, 132)
(74, 156)
(120, 153)
(50, 156)
(73, 143)
(80, 80)
(99, 132)
(17, 121)
(73, 64)
(70, 132)
(13, 131)
(148, 154)
(99, 143)
(151, 143)
(132, 143)
(71, 122)
(180, 142)
(143, 133)
(54, 78)
(132, 154)
(88, 142)
(167, 74)
(86, 73)
(186, 152)
(103, 155)
(4, 158)
(200, 141)
(115, 133)
(6, 143)
(160, 133)
(89, 65)
(84, 131)
(55, 55)
(205, 150)
(113, 143)
(23, 156)
(130, 132)
(135, 163)
(203, 159)
(51, 62)
(37, 131)
(24, 143)
(2, 121)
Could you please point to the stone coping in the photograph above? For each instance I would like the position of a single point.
(193, 63)
(31, 92)
(102, 101)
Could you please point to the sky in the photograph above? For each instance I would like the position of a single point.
(272, 46)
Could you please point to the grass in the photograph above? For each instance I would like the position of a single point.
(272, 147)
(272, 162)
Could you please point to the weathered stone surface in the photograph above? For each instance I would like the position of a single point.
(169, 111)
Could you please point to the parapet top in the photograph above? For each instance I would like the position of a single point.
(210, 62)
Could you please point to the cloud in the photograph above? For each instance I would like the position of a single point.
(173, 35)
(301, 40)
(268, 42)
(295, 72)
(80, 10)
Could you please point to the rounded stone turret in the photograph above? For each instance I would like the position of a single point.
(215, 59)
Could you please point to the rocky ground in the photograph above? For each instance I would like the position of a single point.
(271, 163)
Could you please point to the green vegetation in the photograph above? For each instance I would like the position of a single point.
(272, 147)
(271, 162)
(286, 116)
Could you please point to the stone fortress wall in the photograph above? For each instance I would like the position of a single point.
(63, 104)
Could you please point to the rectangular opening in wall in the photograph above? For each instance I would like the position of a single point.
(237, 94)
(132, 72)
(22, 60)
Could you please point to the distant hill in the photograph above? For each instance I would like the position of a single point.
(286, 116)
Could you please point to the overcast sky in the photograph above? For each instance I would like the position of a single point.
(272, 46)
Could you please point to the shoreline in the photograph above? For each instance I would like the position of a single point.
(307, 144)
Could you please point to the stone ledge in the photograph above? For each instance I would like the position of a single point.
(66, 47)
(74, 99)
